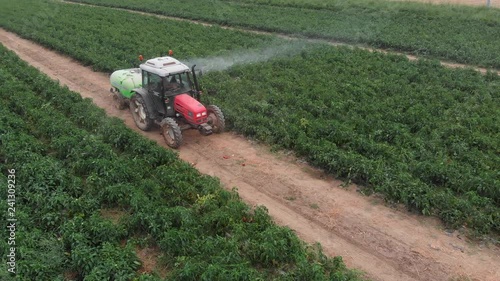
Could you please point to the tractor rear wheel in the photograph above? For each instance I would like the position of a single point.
(171, 132)
(216, 119)
(140, 113)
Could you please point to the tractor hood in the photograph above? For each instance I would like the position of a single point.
(191, 109)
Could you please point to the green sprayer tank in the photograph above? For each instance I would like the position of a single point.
(126, 80)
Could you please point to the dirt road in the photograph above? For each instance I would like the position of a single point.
(385, 243)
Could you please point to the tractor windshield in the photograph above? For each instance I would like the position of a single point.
(177, 83)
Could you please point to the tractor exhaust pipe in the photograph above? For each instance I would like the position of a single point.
(196, 85)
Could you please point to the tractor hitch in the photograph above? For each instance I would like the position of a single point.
(205, 129)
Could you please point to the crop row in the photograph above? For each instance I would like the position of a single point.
(73, 161)
(108, 40)
(461, 34)
(422, 135)
(387, 5)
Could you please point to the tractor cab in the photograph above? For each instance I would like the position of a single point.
(166, 76)
(176, 83)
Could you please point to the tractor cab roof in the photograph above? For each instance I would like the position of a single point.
(164, 66)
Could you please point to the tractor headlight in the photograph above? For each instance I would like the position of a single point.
(204, 113)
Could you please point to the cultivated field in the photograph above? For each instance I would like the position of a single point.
(459, 34)
(96, 193)
(416, 133)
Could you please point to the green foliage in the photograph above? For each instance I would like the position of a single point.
(266, 252)
(109, 262)
(462, 34)
(72, 167)
(421, 134)
(45, 253)
(108, 40)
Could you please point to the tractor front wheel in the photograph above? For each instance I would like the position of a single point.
(171, 132)
(216, 119)
(140, 113)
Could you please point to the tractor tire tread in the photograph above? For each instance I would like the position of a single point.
(177, 132)
(149, 122)
(220, 118)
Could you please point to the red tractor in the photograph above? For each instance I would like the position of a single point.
(165, 92)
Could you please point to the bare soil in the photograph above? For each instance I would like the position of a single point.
(386, 243)
(149, 260)
(114, 215)
(149, 256)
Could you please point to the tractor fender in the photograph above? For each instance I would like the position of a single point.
(150, 104)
